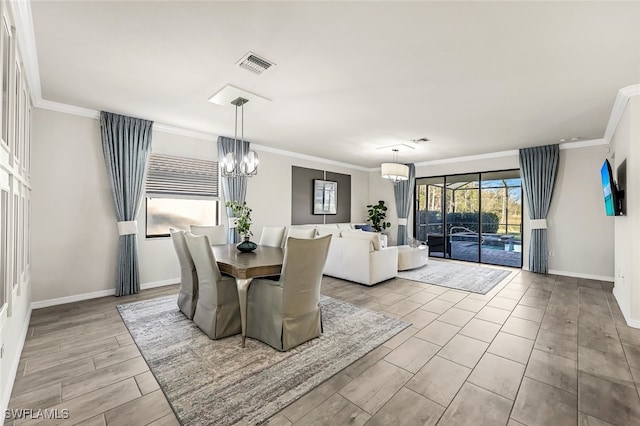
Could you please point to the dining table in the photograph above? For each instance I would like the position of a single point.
(244, 267)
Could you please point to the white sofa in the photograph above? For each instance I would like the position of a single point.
(357, 256)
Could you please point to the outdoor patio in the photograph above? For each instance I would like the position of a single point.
(465, 250)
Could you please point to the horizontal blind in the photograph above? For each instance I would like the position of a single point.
(181, 177)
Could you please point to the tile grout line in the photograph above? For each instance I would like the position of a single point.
(532, 348)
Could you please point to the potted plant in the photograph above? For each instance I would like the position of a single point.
(376, 215)
(242, 214)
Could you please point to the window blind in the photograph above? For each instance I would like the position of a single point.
(181, 177)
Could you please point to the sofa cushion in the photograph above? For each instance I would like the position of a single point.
(301, 232)
(325, 230)
(366, 228)
(371, 236)
(345, 226)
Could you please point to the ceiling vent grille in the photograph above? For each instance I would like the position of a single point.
(254, 63)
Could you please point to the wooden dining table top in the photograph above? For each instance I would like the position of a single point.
(264, 261)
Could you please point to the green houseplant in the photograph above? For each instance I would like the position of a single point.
(376, 215)
(242, 214)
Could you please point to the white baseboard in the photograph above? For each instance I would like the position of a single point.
(581, 275)
(627, 316)
(4, 402)
(162, 283)
(70, 299)
(96, 294)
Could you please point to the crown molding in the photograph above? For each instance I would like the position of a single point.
(500, 154)
(292, 154)
(195, 134)
(622, 98)
(166, 128)
(67, 109)
(510, 153)
(583, 144)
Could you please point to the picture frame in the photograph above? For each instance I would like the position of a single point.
(325, 197)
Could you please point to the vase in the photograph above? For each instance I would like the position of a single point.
(247, 246)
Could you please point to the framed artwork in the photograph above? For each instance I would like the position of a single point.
(325, 196)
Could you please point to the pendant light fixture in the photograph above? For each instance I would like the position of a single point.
(240, 161)
(395, 171)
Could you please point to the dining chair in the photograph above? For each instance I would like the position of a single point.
(217, 233)
(218, 308)
(188, 294)
(286, 313)
(305, 232)
(272, 236)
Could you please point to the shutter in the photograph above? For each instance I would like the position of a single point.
(180, 177)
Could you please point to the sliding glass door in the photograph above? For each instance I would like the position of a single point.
(474, 217)
(430, 215)
(501, 199)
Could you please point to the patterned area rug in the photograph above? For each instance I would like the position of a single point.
(476, 279)
(218, 382)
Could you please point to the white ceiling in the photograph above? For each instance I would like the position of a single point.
(351, 77)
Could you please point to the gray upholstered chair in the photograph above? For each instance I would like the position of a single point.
(299, 232)
(218, 308)
(272, 236)
(188, 294)
(286, 313)
(217, 234)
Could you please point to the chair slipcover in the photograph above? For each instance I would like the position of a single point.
(218, 308)
(286, 313)
(272, 236)
(217, 234)
(188, 294)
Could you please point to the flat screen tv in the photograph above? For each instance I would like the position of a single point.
(611, 203)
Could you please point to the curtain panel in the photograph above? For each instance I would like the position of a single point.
(539, 167)
(233, 188)
(126, 144)
(403, 192)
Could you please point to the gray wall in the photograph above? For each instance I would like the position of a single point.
(302, 196)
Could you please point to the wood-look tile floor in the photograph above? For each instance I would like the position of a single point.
(536, 350)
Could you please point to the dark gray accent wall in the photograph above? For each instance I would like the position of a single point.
(343, 213)
(302, 194)
(302, 197)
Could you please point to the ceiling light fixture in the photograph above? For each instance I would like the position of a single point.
(395, 171)
(240, 162)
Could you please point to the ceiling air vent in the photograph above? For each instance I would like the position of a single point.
(254, 63)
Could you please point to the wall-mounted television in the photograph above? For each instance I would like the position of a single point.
(612, 194)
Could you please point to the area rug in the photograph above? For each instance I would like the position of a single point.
(218, 382)
(476, 279)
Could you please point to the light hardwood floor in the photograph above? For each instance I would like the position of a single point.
(536, 350)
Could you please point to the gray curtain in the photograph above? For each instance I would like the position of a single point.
(403, 193)
(539, 166)
(126, 144)
(233, 188)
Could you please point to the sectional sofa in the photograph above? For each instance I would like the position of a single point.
(356, 255)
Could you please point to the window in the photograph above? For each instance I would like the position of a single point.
(180, 192)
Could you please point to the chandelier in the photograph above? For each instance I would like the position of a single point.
(395, 171)
(241, 161)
